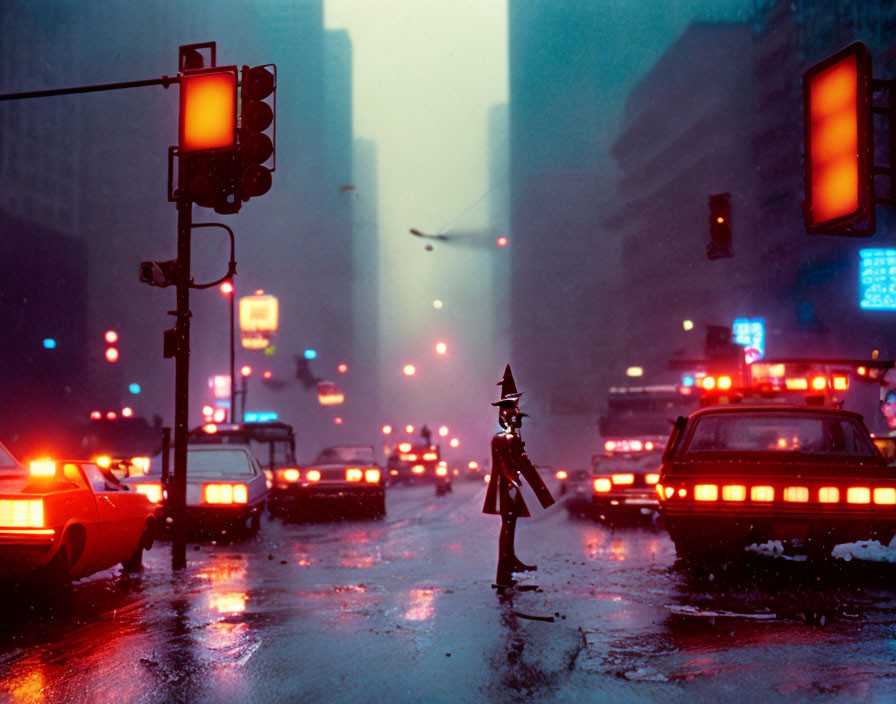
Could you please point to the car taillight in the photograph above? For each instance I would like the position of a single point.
(561, 474)
(441, 471)
(828, 495)
(42, 468)
(353, 474)
(623, 478)
(225, 494)
(602, 484)
(734, 492)
(153, 492)
(430, 456)
(706, 492)
(796, 494)
(762, 493)
(22, 513)
(885, 495)
(858, 495)
(141, 463)
(313, 475)
(291, 474)
(652, 478)
(393, 472)
(371, 476)
(417, 469)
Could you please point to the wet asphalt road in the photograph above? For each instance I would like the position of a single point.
(402, 610)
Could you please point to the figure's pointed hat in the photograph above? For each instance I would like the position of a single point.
(509, 394)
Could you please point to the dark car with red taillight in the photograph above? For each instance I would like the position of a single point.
(810, 477)
(344, 479)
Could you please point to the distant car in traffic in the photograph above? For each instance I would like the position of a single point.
(343, 478)
(421, 463)
(810, 477)
(226, 488)
(575, 486)
(64, 520)
(624, 481)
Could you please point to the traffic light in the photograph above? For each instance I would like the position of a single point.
(207, 144)
(256, 147)
(839, 144)
(159, 273)
(719, 226)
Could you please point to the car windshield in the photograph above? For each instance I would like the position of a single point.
(7, 461)
(635, 463)
(218, 463)
(361, 454)
(780, 433)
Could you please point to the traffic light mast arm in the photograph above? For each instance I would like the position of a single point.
(164, 81)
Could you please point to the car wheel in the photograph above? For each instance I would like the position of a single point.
(379, 507)
(57, 570)
(255, 523)
(135, 562)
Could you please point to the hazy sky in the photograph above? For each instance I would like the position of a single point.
(425, 74)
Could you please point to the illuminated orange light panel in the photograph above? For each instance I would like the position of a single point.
(207, 110)
(834, 143)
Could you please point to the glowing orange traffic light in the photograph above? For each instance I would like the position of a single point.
(207, 109)
(839, 144)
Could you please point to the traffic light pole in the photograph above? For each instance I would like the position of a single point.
(178, 489)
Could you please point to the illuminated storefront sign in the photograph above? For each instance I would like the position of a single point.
(877, 279)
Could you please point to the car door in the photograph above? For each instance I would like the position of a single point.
(121, 515)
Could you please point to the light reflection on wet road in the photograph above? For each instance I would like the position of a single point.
(402, 610)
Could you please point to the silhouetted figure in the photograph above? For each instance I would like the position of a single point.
(509, 466)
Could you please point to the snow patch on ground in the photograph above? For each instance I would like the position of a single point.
(870, 550)
(774, 548)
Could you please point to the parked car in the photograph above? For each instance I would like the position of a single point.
(64, 520)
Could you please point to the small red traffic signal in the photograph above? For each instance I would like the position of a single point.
(839, 144)
(207, 109)
(719, 226)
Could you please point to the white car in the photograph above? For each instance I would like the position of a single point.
(226, 486)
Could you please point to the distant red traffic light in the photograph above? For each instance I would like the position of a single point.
(839, 144)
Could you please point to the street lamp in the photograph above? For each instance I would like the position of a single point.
(227, 290)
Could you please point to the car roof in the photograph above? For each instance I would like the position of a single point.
(224, 447)
(734, 409)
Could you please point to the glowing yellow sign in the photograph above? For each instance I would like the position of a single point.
(258, 314)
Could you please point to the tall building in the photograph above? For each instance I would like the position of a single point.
(743, 136)
(94, 167)
(673, 152)
(560, 183)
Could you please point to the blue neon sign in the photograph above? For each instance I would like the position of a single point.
(877, 279)
(265, 417)
(750, 333)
